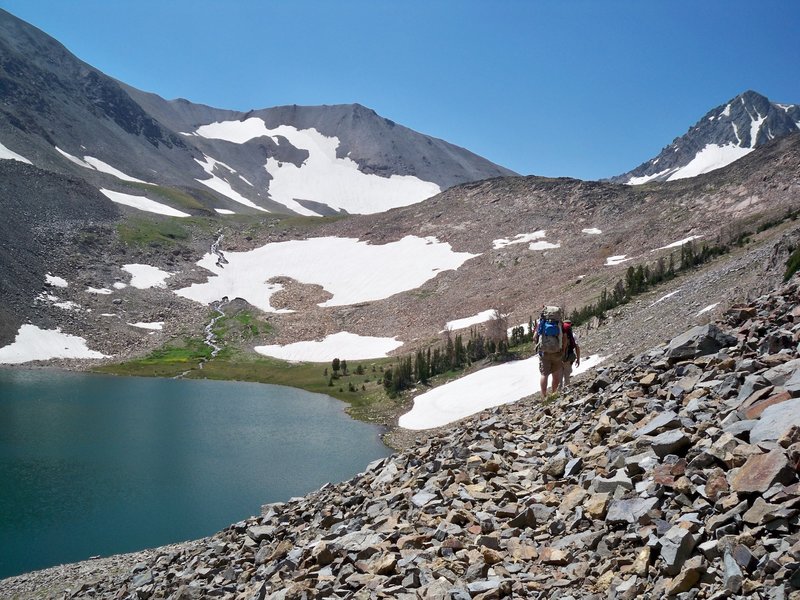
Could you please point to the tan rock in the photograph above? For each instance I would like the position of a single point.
(642, 563)
(554, 556)
(572, 499)
(597, 505)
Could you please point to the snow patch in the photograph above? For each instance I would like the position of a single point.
(6, 154)
(612, 261)
(224, 211)
(118, 285)
(707, 308)
(32, 343)
(324, 178)
(666, 296)
(482, 317)
(591, 231)
(679, 243)
(343, 345)
(142, 203)
(74, 159)
(155, 325)
(351, 270)
(645, 178)
(55, 281)
(754, 127)
(543, 245)
(101, 291)
(103, 167)
(144, 276)
(484, 389)
(520, 238)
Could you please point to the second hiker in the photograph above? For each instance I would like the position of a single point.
(572, 353)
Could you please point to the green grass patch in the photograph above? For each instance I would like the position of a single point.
(363, 392)
(145, 232)
(168, 361)
(172, 195)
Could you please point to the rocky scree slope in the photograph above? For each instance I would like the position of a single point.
(672, 473)
(42, 213)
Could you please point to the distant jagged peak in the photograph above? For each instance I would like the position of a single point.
(723, 135)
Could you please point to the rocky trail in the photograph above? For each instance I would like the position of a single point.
(673, 473)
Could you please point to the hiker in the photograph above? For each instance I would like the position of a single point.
(551, 344)
(571, 355)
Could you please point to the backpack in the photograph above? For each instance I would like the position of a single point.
(549, 330)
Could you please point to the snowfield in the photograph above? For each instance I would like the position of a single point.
(324, 178)
(143, 203)
(342, 345)
(483, 389)
(33, 343)
(351, 270)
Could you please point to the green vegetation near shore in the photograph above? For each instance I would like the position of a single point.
(361, 388)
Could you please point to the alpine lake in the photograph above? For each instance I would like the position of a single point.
(95, 465)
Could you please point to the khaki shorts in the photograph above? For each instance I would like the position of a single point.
(550, 363)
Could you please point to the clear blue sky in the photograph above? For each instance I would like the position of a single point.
(585, 89)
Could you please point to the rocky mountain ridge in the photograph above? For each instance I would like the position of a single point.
(722, 136)
(675, 472)
(65, 116)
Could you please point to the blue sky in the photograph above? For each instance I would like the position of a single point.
(585, 89)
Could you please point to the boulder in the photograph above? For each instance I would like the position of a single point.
(698, 341)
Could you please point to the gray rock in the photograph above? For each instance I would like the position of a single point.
(676, 547)
(670, 442)
(629, 510)
(775, 421)
(732, 577)
(611, 484)
(699, 341)
(666, 420)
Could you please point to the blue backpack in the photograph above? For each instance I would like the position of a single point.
(550, 330)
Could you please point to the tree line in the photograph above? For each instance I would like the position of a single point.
(642, 278)
(453, 354)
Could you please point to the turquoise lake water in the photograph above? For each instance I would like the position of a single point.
(99, 465)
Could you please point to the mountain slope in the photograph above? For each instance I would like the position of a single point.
(63, 115)
(403, 275)
(723, 135)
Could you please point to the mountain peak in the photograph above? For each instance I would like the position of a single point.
(725, 134)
